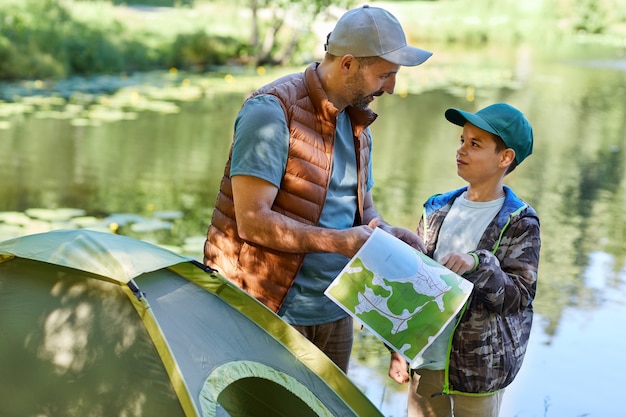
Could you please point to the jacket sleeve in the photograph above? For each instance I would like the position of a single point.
(507, 281)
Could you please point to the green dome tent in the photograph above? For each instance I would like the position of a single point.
(99, 325)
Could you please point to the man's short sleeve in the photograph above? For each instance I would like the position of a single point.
(261, 142)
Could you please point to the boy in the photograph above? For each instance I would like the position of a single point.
(490, 236)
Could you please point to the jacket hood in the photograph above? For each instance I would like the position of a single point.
(513, 205)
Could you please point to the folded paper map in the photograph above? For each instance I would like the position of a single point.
(398, 293)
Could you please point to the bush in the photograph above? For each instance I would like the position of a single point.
(43, 39)
(199, 51)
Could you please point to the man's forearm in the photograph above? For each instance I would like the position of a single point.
(279, 232)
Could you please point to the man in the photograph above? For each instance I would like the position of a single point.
(295, 202)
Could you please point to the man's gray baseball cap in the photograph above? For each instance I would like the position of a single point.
(371, 31)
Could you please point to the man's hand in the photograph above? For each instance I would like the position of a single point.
(409, 237)
(404, 234)
(374, 220)
(354, 237)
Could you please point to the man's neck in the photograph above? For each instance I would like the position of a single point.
(329, 80)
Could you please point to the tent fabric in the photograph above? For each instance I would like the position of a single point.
(186, 342)
(286, 336)
(241, 322)
(73, 346)
(112, 256)
(162, 345)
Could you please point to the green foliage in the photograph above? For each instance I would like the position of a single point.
(588, 16)
(199, 50)
(154, 3)
(45, 42)
(90, 51)
(22, 45)
(60, 38)
(485, 22)
(276, 38)
(593, 17)
(57, 39)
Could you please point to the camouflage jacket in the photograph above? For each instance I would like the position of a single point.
(491, 335)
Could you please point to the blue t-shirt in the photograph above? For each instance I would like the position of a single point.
(261, 150)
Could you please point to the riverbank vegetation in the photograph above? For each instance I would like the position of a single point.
(50, 39)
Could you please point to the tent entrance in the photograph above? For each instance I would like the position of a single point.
(245, 388)
(261, 397)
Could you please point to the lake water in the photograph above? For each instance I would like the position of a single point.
(151, 162)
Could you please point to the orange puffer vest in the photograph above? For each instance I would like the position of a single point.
(265, 273)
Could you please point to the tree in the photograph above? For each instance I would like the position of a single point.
(278, 26)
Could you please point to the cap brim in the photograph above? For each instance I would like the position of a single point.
(408, 56)
(460, 117)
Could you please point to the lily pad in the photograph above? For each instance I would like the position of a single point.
(14, 218)
(168, 215)
(58, 214)
(150, 226)
(122, 219)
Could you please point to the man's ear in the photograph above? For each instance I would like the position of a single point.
(347, 62)
(507, 157)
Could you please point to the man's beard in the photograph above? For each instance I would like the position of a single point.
(358, 98)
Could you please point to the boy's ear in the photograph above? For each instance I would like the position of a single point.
(507, 157)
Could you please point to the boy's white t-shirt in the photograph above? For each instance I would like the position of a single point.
(461, 231)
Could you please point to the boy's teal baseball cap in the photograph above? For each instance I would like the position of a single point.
(502, 120)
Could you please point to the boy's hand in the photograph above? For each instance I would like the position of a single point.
(398, 370)
(458, 262)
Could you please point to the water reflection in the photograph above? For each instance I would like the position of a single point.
(570, 373)
(172, 162)
(565, 374)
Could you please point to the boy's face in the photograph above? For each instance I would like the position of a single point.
(476, 158)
